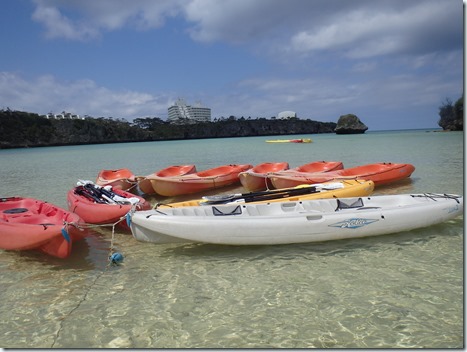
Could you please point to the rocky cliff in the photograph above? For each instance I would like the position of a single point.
(350, 124)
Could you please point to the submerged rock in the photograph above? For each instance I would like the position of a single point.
(350, 124)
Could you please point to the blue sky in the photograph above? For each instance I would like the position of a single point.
(390, 62)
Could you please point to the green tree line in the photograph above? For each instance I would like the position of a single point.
(24, 129)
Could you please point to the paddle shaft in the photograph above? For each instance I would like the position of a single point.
(265, 195)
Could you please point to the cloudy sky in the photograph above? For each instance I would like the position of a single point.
(390, 62)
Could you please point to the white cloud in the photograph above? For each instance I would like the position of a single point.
(84, 97)
(235, 21)
(57, 25)
(342, 51)
(85, 20)
(359, 28)
(363, 33)
(319, 98)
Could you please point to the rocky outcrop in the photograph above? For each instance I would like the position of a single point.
(350, 124)
(452, 124)
(452, 116)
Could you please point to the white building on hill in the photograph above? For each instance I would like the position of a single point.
(286, 114)
(182, 113)
(63, 115)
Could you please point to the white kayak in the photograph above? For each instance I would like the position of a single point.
(295, 222)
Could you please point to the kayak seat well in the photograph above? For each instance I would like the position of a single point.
(190, 211)
(201, 212)
(354, 203)
(357, 205)
(225, 211)
(15, 210)
(252, 211)
(47, 209)
(321, 206)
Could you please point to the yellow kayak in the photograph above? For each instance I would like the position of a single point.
(300, 140)
(334, 189)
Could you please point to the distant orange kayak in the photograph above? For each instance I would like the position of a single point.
(255, 179)
(200, 181)
(118, 179)
(299, 140)
(32, 224)
(379, 173)
(144, 182)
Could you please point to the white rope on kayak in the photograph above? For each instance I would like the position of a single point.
(134, 184)
(115, 258)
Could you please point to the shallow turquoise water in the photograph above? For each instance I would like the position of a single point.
(403, 290)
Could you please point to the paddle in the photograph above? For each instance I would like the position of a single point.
(82, 191)
(104, 194)
(268, 195)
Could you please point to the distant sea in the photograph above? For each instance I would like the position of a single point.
(403, 290)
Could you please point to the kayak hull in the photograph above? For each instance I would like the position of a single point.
(379, 173)
(255, 179)
(101, 213)
(296, 222)
(119, 179)
(200, 181)
(31, 224)
(144, 182)
(258, 178)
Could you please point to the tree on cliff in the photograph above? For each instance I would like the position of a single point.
(452, 115)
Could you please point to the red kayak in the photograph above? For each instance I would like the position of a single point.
(118, 179)
(379, 173)
(200, 181)
(103, 205)
(31, 224)
(255, 179)
(144, 182)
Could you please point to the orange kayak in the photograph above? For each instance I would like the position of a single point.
(319, 166)
(313, 167)
(379, 173)
(97, 205)
(255, 179)
(199, 181)
(144, 182)
(31, 224)
(118, 179)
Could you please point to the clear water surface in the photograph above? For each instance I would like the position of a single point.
(397, 291)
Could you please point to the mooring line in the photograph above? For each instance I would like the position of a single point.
(111, 261)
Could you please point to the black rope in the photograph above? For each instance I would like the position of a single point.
(434, 196)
